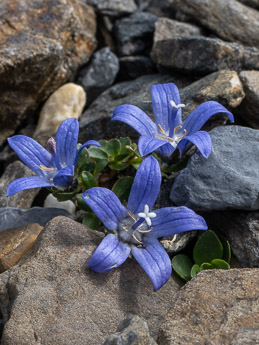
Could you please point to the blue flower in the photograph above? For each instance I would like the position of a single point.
(169, 132)
(54, 166)
(136, 228)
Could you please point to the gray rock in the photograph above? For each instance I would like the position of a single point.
(54, 279)
(114, 8)
(96, 119)
(134, 34)
(248, 109)
(99, 74)
(173, 244)
(251, 3)
(12, 217)
(229, 178)
(229, 19)
(132, 67)
(203, 55)
(23, 199)
(241, 229)
(216, 307)
(43, 43)
(166, 28)
(131, 331)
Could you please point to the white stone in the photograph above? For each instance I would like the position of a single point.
(66, 102)
(68, 205)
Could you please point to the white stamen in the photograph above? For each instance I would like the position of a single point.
(147, 215)
(173, 104)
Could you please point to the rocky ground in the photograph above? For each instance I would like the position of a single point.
(83, 58)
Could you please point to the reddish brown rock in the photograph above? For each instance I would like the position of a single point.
(42, 43)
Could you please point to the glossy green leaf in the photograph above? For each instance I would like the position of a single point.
(226, 249)
(113, 147)
(81, 204)
(97, 153)
(206, 266)
(88, 180)
(122, 188)
(207, 248)
(221, 264)
(83, 158)
(91, 221)
(64, 196)
(195, 270)
(100, 165)
(182, 266)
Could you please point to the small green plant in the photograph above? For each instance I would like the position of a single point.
(210, 251)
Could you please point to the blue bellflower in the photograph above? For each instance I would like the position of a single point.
(54, 166)
(169, 132)
(136, 227)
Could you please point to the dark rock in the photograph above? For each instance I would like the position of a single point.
(23, 199)
(132, 67)
(241, 229)
(161, 8)
(251, 3)
(42, 44)
(134, 34)
(99, 74)
(216, 307)
(96, 119)
(248, 109)
(90, 305)
(131, 331)
(113, 8)
(229, 19)
(166, 28)
(12, 217)
(229, 178)
(203, 55)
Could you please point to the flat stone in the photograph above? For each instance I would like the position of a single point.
(90, 305)
(132, 67)
(228, 178)
(203, 55)
(42, 44)
(216, 307)
(23, 199)
(66, 102)
(229, 19)
(113, 8)
(236, 226)
(131, 331)
(14, 243)
(134, 34)
(166, 28)
(12, 217)
(248, 109)
(99, 74)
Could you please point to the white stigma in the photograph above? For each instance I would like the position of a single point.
(181, 105)
(147, 215)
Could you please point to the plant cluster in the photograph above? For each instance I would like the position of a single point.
(100, 180)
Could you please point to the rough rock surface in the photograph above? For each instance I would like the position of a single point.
(66, 102)
(251, 3)
(42, 44)
(229, 19)
(216, 307)
(131, 331)
(241, 229)
(114, 8)
(229, 178)
(248, 109)
(132, 67)
(75, 305)
(99, 74)
(134, 34)
(207, 55)
(23, 199)
(12, 217)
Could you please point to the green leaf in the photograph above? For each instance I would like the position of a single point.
(91, 221)
(182, 266)
(207, 248)
(100, 165)
(113, 147)
(118, 166)
(122, 188)
(206, 266)
(195, 270)
(88, 180)
(226, 249)
(97, 153)
(221, 264)
(64, 196)
(83, 158)
(124, 142)
(123, 157)
(81, 204)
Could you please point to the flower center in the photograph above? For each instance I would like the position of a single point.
(171, 140)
